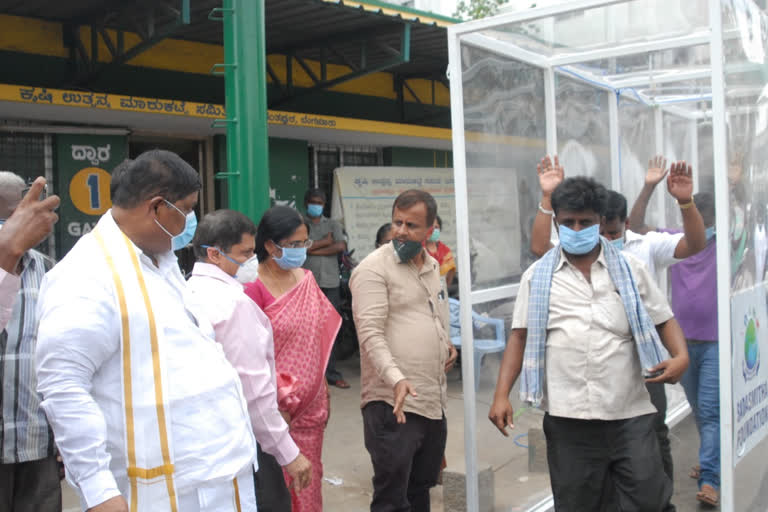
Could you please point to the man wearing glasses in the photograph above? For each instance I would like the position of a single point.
(145, 408)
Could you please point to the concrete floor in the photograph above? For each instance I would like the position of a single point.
(347, 467)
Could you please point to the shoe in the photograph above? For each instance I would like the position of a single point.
(708, 495)
(341, 383)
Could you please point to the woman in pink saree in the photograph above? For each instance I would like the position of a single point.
(305, 324)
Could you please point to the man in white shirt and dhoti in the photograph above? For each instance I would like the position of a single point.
(146, 411)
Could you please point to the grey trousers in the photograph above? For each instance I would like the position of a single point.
(30, 486)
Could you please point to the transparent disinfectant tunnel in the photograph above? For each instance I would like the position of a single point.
(607, 85)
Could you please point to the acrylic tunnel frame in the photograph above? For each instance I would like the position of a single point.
(471, 33)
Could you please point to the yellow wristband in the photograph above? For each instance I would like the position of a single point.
(689, 204)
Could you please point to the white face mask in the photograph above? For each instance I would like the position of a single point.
(248, 271)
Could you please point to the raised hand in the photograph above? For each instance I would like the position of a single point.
(29, 224)
(550, 175)
(657, 171)
(33, 219)
(680, 182)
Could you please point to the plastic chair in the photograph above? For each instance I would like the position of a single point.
(481, 346)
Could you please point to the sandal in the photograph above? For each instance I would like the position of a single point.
(341, 383)
(695, 472)
(708, 495)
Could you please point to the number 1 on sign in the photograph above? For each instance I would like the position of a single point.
(93, 186)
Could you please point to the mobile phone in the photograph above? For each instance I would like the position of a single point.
(652, 375)
(43, 194)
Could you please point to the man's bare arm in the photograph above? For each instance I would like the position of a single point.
(674, 341)
(501, 413)
(657, 171)
(30, 223)
(550, 176)
(680, 186)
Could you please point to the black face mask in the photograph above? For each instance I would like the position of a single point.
(407, 250)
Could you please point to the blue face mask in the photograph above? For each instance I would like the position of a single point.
(579, 242)
(314, 210)
(710, 233)
(291, 258)
(435, 236)
(618, 243)
(188, 233)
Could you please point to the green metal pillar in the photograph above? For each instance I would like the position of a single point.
(245, 78)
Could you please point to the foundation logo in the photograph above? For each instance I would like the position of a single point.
(751, 363)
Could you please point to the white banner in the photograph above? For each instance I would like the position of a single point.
(749, 325)
(363, 198)
(367, 195)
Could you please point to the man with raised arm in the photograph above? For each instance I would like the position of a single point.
(30, 223)
(657, 250)
(587, 332)
(694, 301)
(29, 472)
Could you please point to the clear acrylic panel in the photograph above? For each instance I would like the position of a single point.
(664, 100)
(637, 139)
(678, 139)
(583, 132)
(608, 26)
(747, 129)
(504, 130)
(518, 462)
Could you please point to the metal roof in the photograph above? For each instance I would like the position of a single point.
(299, 27)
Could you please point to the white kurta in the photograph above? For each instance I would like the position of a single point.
(79, 376)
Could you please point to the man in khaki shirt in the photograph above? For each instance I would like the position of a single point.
(401, 314)
(601, 445)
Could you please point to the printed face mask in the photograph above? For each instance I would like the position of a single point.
(291, 258)
(314, 210)
(406, 250)
(579, 242)
(187, 234)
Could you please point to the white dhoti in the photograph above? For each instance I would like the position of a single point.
(238, 495)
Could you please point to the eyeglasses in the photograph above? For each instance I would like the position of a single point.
(306, 244)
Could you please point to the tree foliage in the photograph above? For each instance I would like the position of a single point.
(476, 9)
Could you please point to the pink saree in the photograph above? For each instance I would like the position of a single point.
(305, 325)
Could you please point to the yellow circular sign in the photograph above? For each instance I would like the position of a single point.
(89, 191)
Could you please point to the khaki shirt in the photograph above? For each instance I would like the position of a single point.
(401, 315)
(592, 367)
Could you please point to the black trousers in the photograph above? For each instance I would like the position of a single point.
(606, 466)
(331, 373)
(30, 486)
(406, 458)
(272, 495)
(659, 400)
